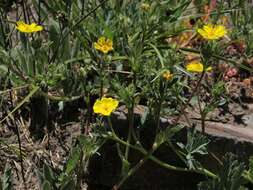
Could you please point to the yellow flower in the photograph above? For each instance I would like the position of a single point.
(104, 45)
(196, 67)
(145, 6)
(212, 32)
(28, 28)
(167, 75)
(105, 106)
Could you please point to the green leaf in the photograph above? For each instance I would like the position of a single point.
(3, 70)
(125, 167)
(196, 144)
(248, 175)
(6, 182)
(229, 178)
(67, 185)
(144, 116)
(161, 59)
(54, 33)
(73, 160)
(166, 135)
(48, 174)
(251, 168)
(46, 185)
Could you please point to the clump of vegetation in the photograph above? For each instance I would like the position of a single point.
(173, 57)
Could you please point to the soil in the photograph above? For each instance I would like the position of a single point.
(53, 149)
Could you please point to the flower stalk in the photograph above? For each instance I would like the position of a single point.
(163, 164)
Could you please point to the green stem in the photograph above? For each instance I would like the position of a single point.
(114, 135)
(176, 151)
(33, 91)
(101, 76)
(24, 11)
(213, 55)
(202, 115)
(88, 116)
(134, 169)
(130, 128)
(131, 121)
(74, 26)
(110, 125)
(220, 58)
(195, 90)
(131, 172)
(61, 98)
(154, 147)
(163, 164)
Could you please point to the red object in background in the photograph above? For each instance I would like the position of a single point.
(230, 73)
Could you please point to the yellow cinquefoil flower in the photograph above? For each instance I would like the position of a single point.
(28, 28)
(167, 75)
(104, 45)
(196, 67)
(145, 6)
(212, 32)
(105, 106)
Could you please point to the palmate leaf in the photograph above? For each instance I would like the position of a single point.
(229, 178)
(196, 144)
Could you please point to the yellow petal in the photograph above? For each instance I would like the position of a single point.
(209, 68)
(97, 106)
(105, 106)
(220, 30)
(212, 32)
(97, 46)
(38, 28)
(195, 67)
(101, 40)
(28, 28)
(167, 75)
(202, 32)
(104, 45)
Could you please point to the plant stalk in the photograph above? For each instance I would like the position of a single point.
(163, 164)
(195, 90)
